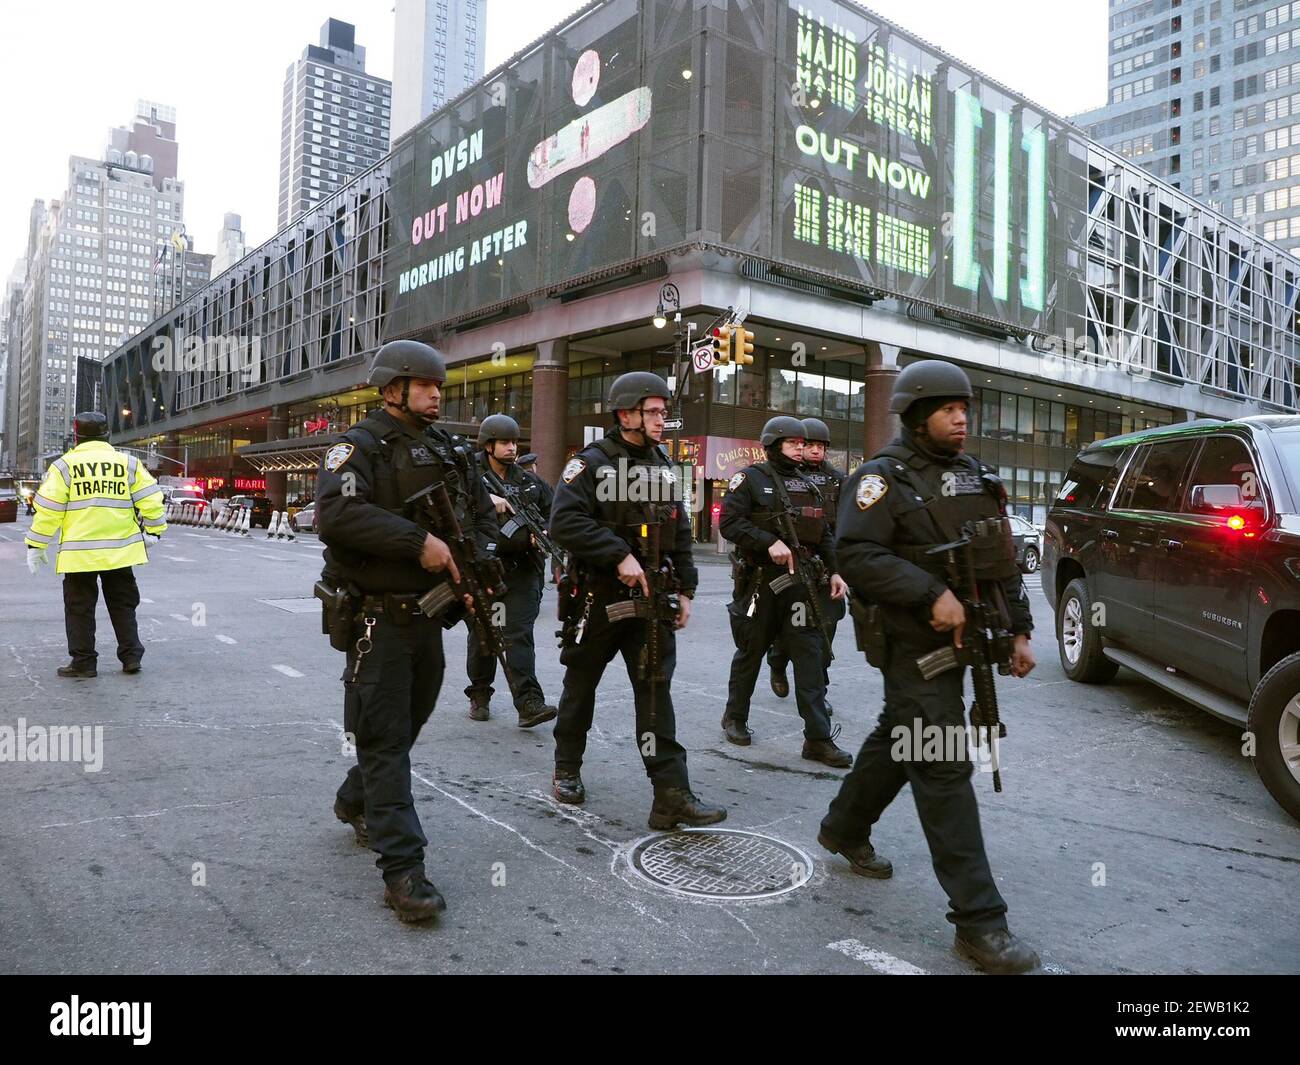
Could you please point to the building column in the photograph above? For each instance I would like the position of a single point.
(879, 425)
(550, 407)
(277, 428)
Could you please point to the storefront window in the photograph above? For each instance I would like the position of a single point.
(724, 385)
(838, 391)
(808, 398)
(781, 389)
(749, 388)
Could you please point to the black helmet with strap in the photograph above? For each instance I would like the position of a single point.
(497, 427)
(928, 379)
(404, 359)
(630, 389)
(780, 427)
(816, 431)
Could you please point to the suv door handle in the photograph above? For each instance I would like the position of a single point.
(1109, 534)
(1170, 545)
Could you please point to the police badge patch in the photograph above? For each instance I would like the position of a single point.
(337, 455)
(736, 482)
(871, 489)
(572, 469)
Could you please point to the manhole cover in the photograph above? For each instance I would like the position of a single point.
(720, 864)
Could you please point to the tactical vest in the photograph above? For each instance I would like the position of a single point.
(827, 480)
(655, 492)
(513, 531)
(805, 498)
(956, 499)
(404, 463)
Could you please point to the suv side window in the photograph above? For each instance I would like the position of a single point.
(1091, 478)
(1226, 460)
(1155, 478)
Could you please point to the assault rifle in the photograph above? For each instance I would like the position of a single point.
(528, 516)
(482, 579)
(986, 640)
(808, 569)
(662, 605)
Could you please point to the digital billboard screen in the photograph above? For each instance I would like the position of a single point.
(899, 169)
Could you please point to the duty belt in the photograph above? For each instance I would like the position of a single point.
(394, 606)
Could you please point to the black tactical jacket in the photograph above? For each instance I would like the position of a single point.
(372, 538)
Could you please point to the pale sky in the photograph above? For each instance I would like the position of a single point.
(73, 69)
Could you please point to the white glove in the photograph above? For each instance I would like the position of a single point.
(155, 537)
(36, 559)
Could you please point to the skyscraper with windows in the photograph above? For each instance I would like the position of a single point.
(1207, 96)
(335, 119)
(438, 53)
(90, 279)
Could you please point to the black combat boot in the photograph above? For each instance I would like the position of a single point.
(78, 671)
(863, 859)
(534, 711)
(737, 732)
(479, 702)
(131, 665)
(413, 896)
(780, 684)
(567, 786)
(826, 752)
(997, 951)
(357, 821)
(674, 806)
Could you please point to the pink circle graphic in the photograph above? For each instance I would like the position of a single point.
(582, 204)
(586, 76)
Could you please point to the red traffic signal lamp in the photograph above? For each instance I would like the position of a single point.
(722, 345)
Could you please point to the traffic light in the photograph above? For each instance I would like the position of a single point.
(743, 345)
(722, 345)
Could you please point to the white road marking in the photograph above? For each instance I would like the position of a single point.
(217, 547)
(878, 960)
(177, 558)
(226, 639)
(273, 558)
(288, 671)
(143, 600)
(178, 617)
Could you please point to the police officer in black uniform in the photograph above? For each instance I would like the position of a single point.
(498, 441)
(817, 438)
(761, 614)
(383, 560)
(916, 493)
(612, 497)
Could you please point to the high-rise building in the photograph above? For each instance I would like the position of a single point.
(180, 272)
(11, 317)
(90, 281)
(335, 119)
(231, 246)
(1207, 96)
(438, 53)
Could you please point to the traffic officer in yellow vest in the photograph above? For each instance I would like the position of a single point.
(98, 498)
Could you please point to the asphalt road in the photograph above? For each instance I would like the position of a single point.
(1131, 837)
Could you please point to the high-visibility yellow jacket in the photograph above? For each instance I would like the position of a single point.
(92, 495)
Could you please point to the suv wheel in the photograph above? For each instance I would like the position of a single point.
(1030, 563)
(1080, 641)
(1274, 719)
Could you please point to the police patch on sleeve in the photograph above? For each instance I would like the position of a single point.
(337, 455)
(871, 489)
(571, 470)
(736, 481)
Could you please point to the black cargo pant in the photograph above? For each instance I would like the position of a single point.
(833, 610)
(522, 603)
(121, 596)
(384, 710)
(784, 618)
(585, 662)
(941, 786)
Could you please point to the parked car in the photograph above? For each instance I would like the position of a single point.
(304, 520)
(1176, 552)
(261, 507)
(1029, 544)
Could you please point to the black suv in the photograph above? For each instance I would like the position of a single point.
(1176, 552)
